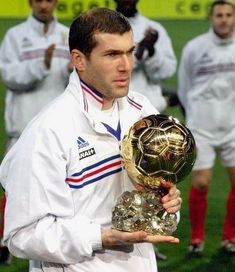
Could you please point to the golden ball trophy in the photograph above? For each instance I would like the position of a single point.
(158, 152)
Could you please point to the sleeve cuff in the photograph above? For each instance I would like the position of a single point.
(95, 237)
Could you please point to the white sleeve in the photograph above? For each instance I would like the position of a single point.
(19, 76)
(184, 76)
(40, 218)
(162, 64)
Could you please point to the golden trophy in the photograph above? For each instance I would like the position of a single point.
(158, 152)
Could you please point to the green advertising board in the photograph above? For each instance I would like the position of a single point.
(162, 9)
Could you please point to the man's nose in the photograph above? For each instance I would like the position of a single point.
(125, 63)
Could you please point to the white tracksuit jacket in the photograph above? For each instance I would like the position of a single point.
(62, 179)
(30, 85)
(207, 87)
(149, 72)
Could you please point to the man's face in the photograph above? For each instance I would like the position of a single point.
(126, 7)
(108, 69)
(43, 9)
(222, 20)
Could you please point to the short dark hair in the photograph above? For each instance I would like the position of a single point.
(104, 20)
(220, 2)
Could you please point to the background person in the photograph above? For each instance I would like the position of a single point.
(155, 59)
(68, 160)
(34, 65)
(207, 92)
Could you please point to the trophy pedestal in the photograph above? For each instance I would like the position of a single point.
(142, 210)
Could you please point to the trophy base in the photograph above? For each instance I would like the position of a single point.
(142, 210)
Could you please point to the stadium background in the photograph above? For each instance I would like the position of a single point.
(183, 19)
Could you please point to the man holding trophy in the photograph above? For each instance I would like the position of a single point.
(64, 175)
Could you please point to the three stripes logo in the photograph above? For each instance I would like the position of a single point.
(86, 153)
(81, 142)
(26, 42)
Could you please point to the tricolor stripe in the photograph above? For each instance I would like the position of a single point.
(61, 53)
(133, 103)
(40, 53)
(95, 172)
(220, 68)
(96, 95)
(32, 54)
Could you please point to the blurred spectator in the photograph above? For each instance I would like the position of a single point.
(35, 66)
(155, 58)
(207, 92)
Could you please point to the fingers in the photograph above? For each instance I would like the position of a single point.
(112, 237)
(154, 239)
(133, 237)
(48, 55)
(172, 201)
(150, 31)
(151, 35)
(50, 49)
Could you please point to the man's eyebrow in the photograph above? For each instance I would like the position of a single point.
(116, 51)
(132, 48)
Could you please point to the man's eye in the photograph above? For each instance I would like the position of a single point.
(112, 54)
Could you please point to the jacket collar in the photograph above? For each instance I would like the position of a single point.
(91, 100)
(217, 40)
(39, 26)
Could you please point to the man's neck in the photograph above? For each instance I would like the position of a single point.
(107, 103)
(45, 23)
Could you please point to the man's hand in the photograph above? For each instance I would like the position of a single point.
(48, 55)
(172, 201)
(150, 38)
(112, 238)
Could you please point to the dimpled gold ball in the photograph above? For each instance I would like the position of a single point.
(158, 151)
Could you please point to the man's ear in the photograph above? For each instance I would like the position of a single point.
(78, 60)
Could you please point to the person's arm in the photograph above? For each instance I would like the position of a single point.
(19, 72)
(40, 218)
(184, 76)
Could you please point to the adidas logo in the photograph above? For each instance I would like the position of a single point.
(26, 42)
(81, 142)
(205, 58)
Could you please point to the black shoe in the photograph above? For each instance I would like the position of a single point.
(228, 247)
(5, 255)
(195, 250)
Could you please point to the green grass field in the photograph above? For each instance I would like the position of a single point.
(214, 260)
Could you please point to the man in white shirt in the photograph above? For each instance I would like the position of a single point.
(207, 92)
(64, 175)
(34, 65)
